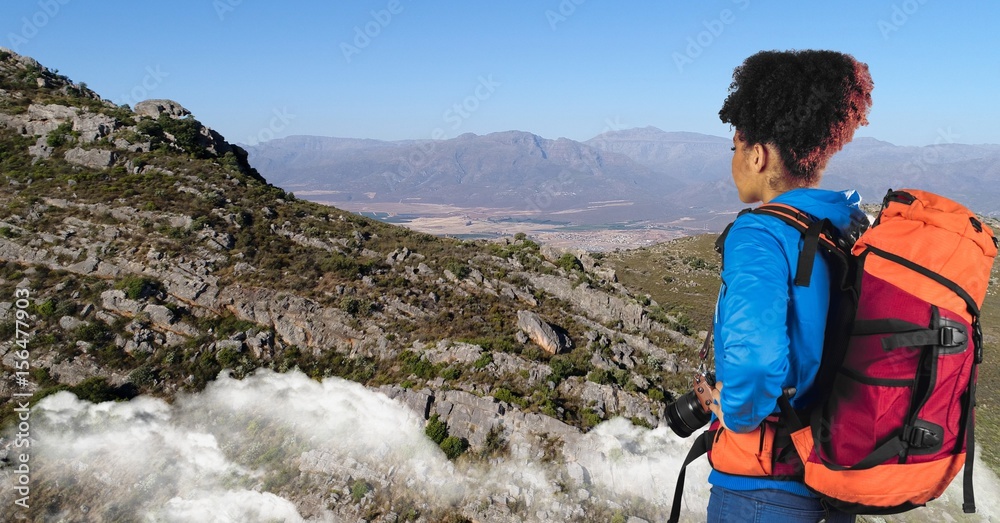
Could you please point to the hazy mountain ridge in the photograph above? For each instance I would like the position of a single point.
(969, 174)
(514, 170)
(664, 175)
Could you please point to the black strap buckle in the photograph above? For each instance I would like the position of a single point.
(951, 337)
(977, 338)
(922, 435)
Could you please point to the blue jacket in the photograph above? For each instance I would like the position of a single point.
(769, 332)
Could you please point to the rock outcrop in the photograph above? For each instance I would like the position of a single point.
(551, 338)
(296, 320)
(154, 108)
(91, 158)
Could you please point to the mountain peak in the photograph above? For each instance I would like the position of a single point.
(68, 121)
(656, 134)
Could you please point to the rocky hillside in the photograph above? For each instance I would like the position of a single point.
(154, 257)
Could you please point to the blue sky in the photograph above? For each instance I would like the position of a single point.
(405, 69)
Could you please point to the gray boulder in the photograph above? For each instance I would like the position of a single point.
(40, 150)
(93, 127)
(154, 108)
(552, 339)
(91, 158)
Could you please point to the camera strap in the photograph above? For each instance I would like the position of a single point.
(706, 349)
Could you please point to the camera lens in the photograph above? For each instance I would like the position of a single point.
(686, 415)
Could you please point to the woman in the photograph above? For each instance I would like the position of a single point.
(791, 112)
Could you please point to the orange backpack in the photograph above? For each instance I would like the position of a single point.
(901, 348)
(898, 423)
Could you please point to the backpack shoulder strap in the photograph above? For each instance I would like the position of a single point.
(720, 242)
(815, 234)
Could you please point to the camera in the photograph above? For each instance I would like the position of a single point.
(691, 411)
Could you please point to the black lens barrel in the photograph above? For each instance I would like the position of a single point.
(686, 415)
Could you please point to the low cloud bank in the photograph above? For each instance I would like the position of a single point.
(283, 447)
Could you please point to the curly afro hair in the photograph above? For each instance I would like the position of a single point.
(806, 103)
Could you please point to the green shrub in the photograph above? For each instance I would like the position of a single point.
(7, 330)
(138, 287)
(495, 443)
(46, 308)
(143, 376)
(590, 418)
(228, 358)
(600, 376)
(96, 332)
(186, 132)
(60, 135)
(359, 489)
(563, 367)
(413, 364)
(483, 360)
(436, 429)
(229, 325)
(96, 390)
(641, 422)
(149, 127)
(513, 397)
(569, 263)
(459, 269)
(351, 305)
(454, 447)
(496, 344)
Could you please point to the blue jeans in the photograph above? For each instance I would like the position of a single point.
(769, 506)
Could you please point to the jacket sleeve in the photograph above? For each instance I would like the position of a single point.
(752, 339)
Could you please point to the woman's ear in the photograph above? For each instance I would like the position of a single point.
(759, 157)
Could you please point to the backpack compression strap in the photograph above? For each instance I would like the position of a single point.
(968, 495)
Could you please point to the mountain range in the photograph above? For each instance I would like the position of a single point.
(637, 175)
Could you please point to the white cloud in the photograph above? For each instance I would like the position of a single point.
(283, 447)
